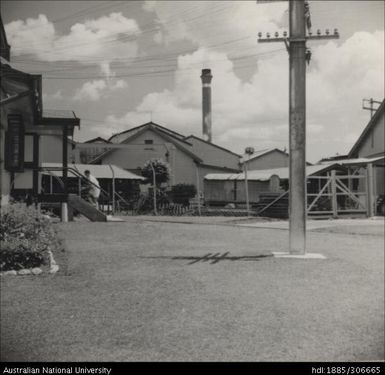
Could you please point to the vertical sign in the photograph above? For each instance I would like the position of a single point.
(14, 144)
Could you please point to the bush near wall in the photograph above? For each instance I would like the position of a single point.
(182, 193)
(25, 237)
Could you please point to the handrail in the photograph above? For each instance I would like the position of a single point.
(274, 201)
(57, 179)
(78, 174)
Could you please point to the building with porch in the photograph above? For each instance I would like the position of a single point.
(23, 124)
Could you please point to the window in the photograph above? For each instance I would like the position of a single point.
(14, 144)
(148, 142)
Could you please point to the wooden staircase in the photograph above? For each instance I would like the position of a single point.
(85, 208)
(274, 205)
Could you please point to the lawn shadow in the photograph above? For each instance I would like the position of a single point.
(211, 258)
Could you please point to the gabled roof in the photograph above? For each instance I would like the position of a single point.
(212, 144)
(8, 70)
(159, 131)
(332, 159)
(10, 90)
(97, 140)
(13, 74)
(131, 131)
(259, 153)
(368, 129)
(4, 46)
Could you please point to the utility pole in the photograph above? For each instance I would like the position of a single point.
(299, 20)
(371, 105)
(154, 187)
(248, 151)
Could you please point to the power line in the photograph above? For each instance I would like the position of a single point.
(155, 73)
(154, 68)
(145, 58)
(111, 38)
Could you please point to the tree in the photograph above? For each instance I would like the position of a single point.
(162, 171)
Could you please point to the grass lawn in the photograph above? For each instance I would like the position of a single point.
(149, 291)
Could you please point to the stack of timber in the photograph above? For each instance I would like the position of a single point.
(274, 205)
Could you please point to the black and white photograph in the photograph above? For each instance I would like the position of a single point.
(192, 182)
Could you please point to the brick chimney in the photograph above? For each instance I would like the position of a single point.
(206, 104)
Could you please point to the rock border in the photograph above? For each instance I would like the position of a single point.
(53, 268)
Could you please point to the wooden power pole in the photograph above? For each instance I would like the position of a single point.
(371, 103)
(299, 21)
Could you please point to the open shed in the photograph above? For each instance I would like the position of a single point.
(112, 179)
(222, 188)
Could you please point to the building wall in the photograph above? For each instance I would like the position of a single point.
(274, 159)
(213, 155)
(234, 190)
(51, 147)
(205, 170)
(23, 180)
(86, 155)
(182, 165)
(5, 176)
(374, 141)
(373, 144)
(220, 191)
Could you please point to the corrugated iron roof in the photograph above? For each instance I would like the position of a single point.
(357, 161)
(99, 171)
(58, 113)
(266, 174)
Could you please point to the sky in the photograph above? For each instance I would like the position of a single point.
(120, 64)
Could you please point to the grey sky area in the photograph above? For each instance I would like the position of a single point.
(118, 64)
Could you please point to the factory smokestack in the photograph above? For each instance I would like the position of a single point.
(206, 103)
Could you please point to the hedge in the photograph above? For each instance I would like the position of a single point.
(25, 237)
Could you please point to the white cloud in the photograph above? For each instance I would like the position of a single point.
(255, 112)
(97, 89)
(207, 22)
(119, 84)
(98, 41)
(91, 90)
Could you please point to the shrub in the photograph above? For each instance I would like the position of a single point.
(25, 237)
(145, 203)
(182, 193)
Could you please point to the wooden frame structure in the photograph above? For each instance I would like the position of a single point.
(339, 194)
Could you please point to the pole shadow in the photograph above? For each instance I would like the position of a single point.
(212, 258)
